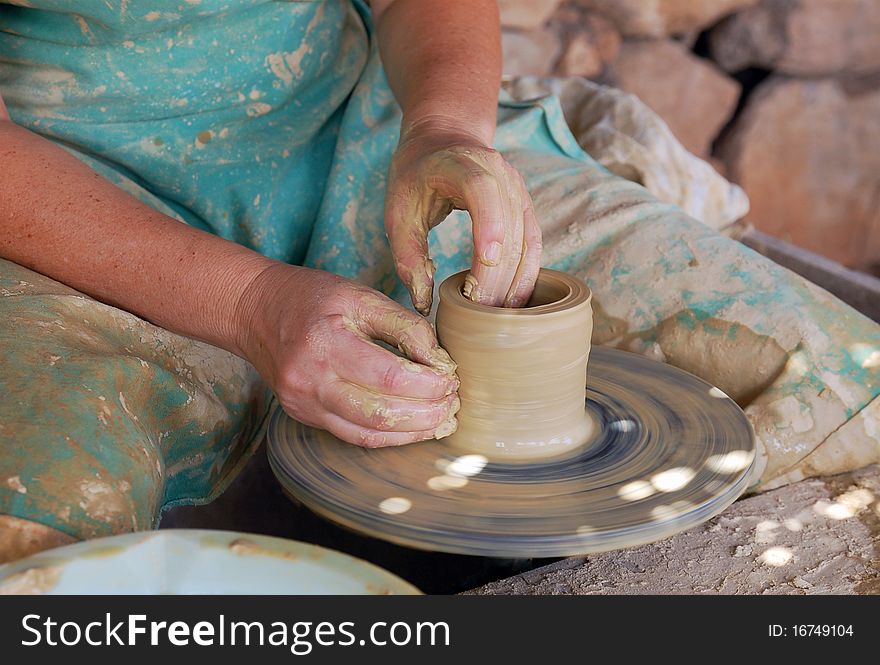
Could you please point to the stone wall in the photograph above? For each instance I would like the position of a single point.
(781, 96)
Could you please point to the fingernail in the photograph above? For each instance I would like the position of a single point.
(453, 386)
(421, 299)
(446, 428)
(455, 406)
(443, 361)
(492, 255)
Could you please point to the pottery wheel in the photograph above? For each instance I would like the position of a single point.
(670, 452)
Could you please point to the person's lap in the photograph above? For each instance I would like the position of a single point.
(106, 418)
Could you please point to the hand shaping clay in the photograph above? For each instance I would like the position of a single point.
(667, 452)
(522, 371)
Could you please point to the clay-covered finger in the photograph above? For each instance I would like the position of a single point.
(366, 364)
(495, 210)
(530, 262)
(386, 413)
(383, 319)
(372, 438)
(407, 226)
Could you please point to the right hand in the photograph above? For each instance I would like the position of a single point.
(310, 335)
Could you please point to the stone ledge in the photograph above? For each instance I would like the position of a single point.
(818, 536)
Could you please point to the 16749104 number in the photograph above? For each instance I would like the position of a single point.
(810, 630)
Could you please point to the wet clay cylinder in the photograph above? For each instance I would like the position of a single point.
(523, 371)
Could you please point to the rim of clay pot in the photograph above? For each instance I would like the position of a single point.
(556, 292)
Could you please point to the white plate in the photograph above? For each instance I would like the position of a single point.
(182, 561)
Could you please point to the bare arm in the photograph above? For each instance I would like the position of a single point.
(443, 61)
(60, 218)
(308, 332)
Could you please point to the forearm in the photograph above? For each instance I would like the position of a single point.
(443, 61)
(60, 218)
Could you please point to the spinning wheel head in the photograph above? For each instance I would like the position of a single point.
(670, 452)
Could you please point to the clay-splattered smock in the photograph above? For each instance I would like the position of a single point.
(271, 124)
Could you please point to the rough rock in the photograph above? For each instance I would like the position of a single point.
(661, 18)
(533, 52)
(594, 43)
(526, 14)
(803, 37)
(806, 152)
(694, 97)
(814, 537)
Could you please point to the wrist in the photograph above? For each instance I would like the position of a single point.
(447, 130)
(247, 325)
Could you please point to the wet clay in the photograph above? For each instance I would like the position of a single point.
(522, 371)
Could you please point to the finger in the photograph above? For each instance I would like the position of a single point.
(371, 438)
(368, 365)
(496, 214)
(407, 223)
(382, 318)
(386, 413)
(530, 263)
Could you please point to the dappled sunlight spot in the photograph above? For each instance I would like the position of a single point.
(833, 510)
(663, 513)
(776, 556)
(797, 364)
(765, 531)
(668, 512)
(635, 491)
(466, 465)
(867, 356)
(623, 425)
(441, 483)
(858, 499)
(846, 505)
(717, 392)
(672, 480)
(584, 529)
(735, 460)
(395, 505)
(793, 524)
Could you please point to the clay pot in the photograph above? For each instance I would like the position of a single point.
(523, 371)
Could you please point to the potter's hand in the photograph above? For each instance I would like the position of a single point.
(434, 172)
(309, 333)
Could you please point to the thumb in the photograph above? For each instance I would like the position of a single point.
(381, 318)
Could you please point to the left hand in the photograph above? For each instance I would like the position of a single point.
(436, 171)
